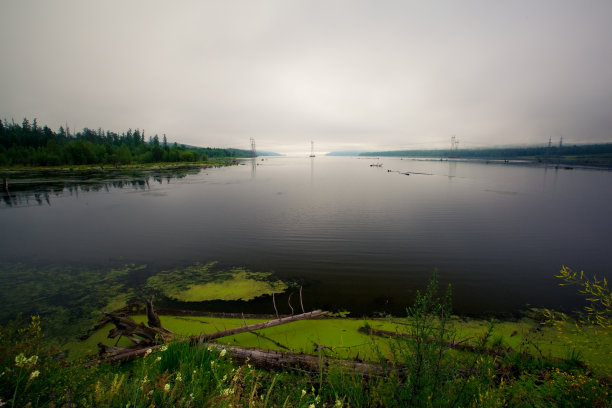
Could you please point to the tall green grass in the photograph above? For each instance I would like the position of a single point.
(422, 371)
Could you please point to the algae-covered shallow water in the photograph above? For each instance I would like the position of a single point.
(354, 237)
(341, 337)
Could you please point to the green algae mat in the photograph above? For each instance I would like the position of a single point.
(70, 300)
(341, 338)
(201, 282)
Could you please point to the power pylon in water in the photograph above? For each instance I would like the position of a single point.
(454, 151)
(253, 150)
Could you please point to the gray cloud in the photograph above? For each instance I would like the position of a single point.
(348, 74)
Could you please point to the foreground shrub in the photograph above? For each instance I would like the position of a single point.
(424, 372)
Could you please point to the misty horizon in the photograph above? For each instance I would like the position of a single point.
(350, 75)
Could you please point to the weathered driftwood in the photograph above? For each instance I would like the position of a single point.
(109, 350)
(270, 340)
(221, 315)
(152, 318)
(124, 311)
(128, 327)
(256, 326)
(271, 359)
(457, 345)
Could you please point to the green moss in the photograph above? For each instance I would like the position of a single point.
(199, 283)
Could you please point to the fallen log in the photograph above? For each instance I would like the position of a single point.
(270, 340)
(152, 317)
(256, 326)
(127, 327)
(124, 311)
(271, 359)
(457, 345)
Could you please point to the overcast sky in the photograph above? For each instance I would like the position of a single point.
(358, 75)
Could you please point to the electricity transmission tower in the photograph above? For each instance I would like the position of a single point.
(253, 150)
(454, 147)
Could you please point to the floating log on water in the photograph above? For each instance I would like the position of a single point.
(257, 326)
(126, 326)
(270, 340)
(151, 336)
(457, 345)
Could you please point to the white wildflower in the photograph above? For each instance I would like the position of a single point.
(20, 360)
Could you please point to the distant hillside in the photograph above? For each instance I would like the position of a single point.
(268, 154)
(233, 152)
(591, 153)
(346, 153)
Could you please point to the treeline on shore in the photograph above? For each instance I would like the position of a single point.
(603, 150)
(30, 144)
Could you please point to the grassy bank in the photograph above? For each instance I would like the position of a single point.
(535, 368)
(428, 358)
(341, 337)
(88, 168)
(513, 363)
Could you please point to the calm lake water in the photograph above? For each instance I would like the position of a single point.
(357, 237)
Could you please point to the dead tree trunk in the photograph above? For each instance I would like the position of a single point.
(256, 326)
(270, 359)
(457, 345)
(129, 328)
(152, 317)
(126, 326)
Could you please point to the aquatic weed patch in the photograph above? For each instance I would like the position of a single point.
(69, 300)
(205, 282)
